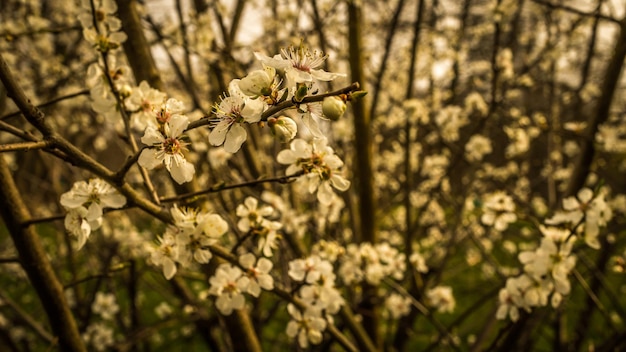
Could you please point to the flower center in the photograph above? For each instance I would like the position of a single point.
(100, 15)
(171, 146)
(163, 116)
(146, 106)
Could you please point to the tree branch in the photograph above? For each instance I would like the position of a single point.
(285, 105)
(219, 188)
(35, 262)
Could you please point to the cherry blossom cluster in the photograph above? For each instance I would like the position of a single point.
(547, 268)
(290, 76)
(100, 334)
(84, 204)
(499, 211)
(371, 263)
(253, 221)
(166, 141)
(441, 298)
(188, 241)
(230, 282)
(319, 296)
(248, 98)
(102, 30)
(320, 166)
(397, 305)
(587, 208)
(100, 27)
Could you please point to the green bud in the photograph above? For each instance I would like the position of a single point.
(301, 92)
(358, 94)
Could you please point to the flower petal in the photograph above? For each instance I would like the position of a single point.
(235, 138)
(149, 159)
(218, 134)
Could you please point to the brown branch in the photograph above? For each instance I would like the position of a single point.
(576, 11)
(288, 296)
(602, 111)
(50, 102)
(378, 80)
(24, 146)
(26, 318)
(119, 267)
(368, 306)
(285, 105)
(75, 155)
(236, 21)
(219, 188)
(406, 322)
(25, 135)
(136, 46)
(35, 262)
(52, 30)
(179, 73)
(185, 196)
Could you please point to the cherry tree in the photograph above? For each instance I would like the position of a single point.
(332, 175)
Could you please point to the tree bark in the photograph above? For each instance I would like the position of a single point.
(35, 262)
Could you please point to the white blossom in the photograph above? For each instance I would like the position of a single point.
(233, 111)
(258, 274)
(251, 215)
(306, 328)
(300, 66)
(105, 305)
(166, 254)
(99, 336)
(319, 164)
(85, 203)
(441, 298)
(146, 103)
(499, 211)
(94, 195)
(397, 305)
(166, 146)
(477, 147)
(228, 284)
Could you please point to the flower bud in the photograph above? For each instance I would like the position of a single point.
(358, 94)
(283, 128)
(125, 90)
(333, 107)
(256, 83)
(301, 91)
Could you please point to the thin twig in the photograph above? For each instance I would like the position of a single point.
(287, 296)
(28, 319)
(285, 105)
(119, 175)
(119, 267)
(219, 188)
(574, 10)
(24, 146)
(422, 309)
(48, 103)
(595, 299)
